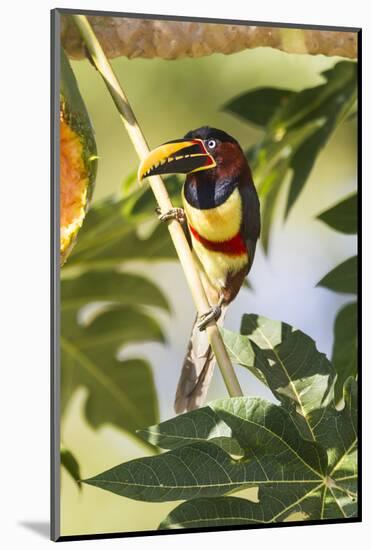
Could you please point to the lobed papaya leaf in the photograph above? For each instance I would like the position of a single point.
(119, 392)
(95, 282)
(288, 362)
(303, 469)
(111, 286)
(274, 454)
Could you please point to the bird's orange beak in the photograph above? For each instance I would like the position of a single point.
(181, 156)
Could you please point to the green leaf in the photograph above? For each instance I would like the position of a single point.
(343, 278)
(122, 288)
(114, 391)
(334, 497)
(298, 125)
(275, 505)
(213, 512)
(343, 216)
(110, 237)
(174, 475)
(345, 349)
(339, 81)
(104, 224)
(270, 433)
(302, 163)
(273, 183)
(259, 105)
(120, 392)
(110, 325)
(110, 233)
(192, 427)
(317, 480)
(336, 430)
(300, 455)
(157, 246)
(331, 102)
(200, 425)
(143, 204)
(69, 462)
(287, 361)
(274, 454)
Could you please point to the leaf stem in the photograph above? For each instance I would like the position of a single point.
(159, 190)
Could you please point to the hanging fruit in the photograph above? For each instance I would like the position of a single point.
(78, 159)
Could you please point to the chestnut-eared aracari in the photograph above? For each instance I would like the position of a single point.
(221, 218)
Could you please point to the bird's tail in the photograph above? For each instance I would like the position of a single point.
(197, 371)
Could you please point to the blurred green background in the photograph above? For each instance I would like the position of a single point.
(170, 98)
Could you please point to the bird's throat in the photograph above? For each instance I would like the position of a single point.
(203, 192)
(221, 223)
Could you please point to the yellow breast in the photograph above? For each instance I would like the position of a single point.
(217, 224)
(216, 265)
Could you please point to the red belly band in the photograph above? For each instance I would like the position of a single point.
(234, 246)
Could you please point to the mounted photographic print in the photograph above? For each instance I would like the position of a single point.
(204, 280)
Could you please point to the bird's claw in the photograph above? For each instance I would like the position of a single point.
(172, 214)
(212, 315)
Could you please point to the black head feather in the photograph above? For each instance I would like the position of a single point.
(205, 133)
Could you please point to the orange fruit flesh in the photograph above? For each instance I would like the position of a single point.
(73, 185)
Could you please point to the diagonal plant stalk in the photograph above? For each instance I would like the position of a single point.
(159, 190)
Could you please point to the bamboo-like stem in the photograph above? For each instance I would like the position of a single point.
(159, 190)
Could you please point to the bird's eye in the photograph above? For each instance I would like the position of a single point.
(211, 144)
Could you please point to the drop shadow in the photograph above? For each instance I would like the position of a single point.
(41, 528)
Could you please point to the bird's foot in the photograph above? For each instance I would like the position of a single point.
(212, 315)
(172, 214)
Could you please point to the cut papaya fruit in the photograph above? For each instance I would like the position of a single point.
(78, 159)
